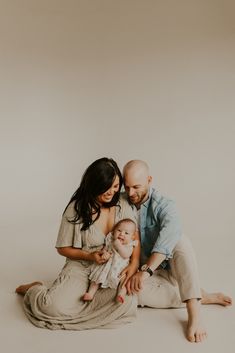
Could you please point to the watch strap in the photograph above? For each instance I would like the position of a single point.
(145, 268)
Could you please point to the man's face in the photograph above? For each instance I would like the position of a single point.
(137, 187)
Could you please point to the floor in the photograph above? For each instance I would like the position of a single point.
(154, 329)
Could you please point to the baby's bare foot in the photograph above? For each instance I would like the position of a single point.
(24, 287)
(87, 297)
(120, 299)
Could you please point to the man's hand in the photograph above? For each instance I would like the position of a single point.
(126, 274)
(136, 282)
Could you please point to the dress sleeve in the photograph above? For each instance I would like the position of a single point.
(69, 233)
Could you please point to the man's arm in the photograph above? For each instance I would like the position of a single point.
(155, 260)
(170, 229)
(135, 284)
(164, 212)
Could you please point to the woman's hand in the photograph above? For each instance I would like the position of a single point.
(98, 257)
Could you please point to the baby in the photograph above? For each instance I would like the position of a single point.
(118, 249)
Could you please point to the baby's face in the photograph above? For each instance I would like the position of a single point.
(124, 232)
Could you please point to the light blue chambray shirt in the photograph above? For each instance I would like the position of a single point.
(160, 227)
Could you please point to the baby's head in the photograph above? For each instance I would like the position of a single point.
(124, 230)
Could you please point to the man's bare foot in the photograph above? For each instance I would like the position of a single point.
(87, 297)
(24, 287)
(215, 298)
(195, 333)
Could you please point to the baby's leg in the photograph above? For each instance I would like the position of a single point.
(89, 295)
(121, 294)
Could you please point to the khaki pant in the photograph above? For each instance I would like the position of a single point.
(171, 288)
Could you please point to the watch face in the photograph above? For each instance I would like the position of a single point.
(144, 267)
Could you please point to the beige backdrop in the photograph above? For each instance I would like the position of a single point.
(125, 79)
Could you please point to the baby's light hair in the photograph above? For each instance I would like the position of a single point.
(124, 220)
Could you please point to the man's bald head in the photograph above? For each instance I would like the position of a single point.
(137, 167)
(136, 180)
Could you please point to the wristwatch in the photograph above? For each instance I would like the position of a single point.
(146, 268)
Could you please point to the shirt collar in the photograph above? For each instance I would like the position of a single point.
(146, 203)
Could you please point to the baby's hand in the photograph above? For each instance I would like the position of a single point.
(117, 242)
(106, 255)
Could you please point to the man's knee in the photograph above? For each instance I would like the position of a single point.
(183, 246)
(159, 293)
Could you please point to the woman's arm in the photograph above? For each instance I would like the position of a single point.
(135, 257)
(78, 254)
(133, 266)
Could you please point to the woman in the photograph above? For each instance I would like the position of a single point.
(89, 216)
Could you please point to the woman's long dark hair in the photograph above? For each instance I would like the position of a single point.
(96, 180)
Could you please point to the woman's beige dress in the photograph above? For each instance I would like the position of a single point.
(61, 306)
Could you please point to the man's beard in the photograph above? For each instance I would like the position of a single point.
(138, 199)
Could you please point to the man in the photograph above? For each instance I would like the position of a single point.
(166, 255)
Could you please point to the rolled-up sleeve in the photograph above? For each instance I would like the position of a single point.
(69, 233)
(170, 228)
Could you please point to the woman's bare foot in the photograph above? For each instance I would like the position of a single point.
(24, 287)
(215, 298)
(87, 297)
(195, 332)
